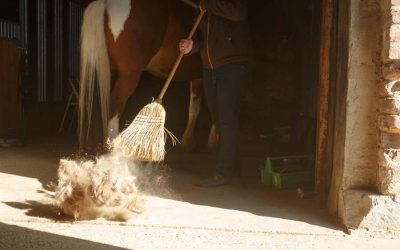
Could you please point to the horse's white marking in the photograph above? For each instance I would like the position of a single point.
(113, 127)
(118, 12)
(194, 111)
(213, 138)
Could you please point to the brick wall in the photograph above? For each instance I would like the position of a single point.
(388, 181)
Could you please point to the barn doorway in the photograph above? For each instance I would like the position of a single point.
(280, 107)
(279, 116)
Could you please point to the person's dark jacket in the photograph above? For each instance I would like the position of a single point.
(224, 34)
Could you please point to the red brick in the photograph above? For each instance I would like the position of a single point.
(388, 88)
(389, 181)
(394, 50)
(391, 71)
(389, 140)
(395, 33)
(389, 123)
(395, 12)
(390, 106)
(383, 161)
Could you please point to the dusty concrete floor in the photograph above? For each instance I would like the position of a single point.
(243, 215)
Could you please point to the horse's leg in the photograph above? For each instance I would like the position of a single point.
(126, 84)
(188, 142)
(113, 127)
(213, 138)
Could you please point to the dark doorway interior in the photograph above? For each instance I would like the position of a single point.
(279, 111)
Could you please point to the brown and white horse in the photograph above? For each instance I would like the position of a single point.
(123, 38)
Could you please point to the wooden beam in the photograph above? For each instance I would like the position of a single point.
(323, 100)
(340, 56)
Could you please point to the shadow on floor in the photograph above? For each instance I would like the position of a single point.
(245, 194)
(19, 238)
(40, 210)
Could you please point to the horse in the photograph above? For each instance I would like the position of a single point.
(120, 39)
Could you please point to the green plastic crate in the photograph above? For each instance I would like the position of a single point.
(288, 172)
(266, 177)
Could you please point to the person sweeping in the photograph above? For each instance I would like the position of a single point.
(225, 46)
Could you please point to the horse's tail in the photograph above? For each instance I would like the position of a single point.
(95, 67)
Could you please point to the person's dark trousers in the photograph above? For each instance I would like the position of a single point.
(224, 88)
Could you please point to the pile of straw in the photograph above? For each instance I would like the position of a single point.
(97, 189)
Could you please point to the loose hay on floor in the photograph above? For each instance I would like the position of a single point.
(104, 188)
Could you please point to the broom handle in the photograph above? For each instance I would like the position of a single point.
(178, 61)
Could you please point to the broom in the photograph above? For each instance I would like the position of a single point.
(145, 137)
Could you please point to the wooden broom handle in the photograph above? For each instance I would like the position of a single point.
(178, 61)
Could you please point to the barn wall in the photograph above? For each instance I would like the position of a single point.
(388, 182)
(46, 88)
(360, 157)
(9, 86)
(362, 203)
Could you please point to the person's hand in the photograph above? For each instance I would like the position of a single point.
(186, 45)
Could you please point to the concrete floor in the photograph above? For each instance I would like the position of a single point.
(179, 215)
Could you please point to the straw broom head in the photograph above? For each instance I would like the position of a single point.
(145, 137)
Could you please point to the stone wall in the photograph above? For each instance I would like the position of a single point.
(388, 181)
(361, 140)
(371, 181)
(360, 156)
